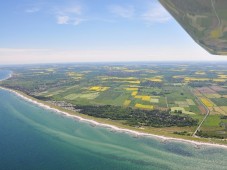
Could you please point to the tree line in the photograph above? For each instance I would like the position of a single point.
(136, 117)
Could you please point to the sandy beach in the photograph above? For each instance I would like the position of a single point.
(112, 127)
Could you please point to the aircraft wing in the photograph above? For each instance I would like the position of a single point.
(204, 20)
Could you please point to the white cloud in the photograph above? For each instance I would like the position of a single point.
(69, 15)
(69, 20)
(156, 13)
(63, 19)
(122, 11)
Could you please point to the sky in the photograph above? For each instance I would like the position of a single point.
(53, 31)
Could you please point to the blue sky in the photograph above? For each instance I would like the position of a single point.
(92, 30)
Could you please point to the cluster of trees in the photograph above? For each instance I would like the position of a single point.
(223, 117)
(184, 133)
(199, 83)
(208, 135)
(148, 83)
(41, 98)
(135, 117)
(121, 73)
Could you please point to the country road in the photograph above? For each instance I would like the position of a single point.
(207, 113)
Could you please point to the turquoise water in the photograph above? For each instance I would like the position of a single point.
(34, 138)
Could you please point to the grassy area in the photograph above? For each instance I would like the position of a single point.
(220, 101)
(89, 96)
(212, 121)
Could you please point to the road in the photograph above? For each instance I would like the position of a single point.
(207, 114)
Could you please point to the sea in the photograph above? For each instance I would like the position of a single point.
(33, 138)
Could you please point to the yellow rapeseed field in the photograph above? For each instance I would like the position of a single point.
(222, 76)
(98, 88)
(200, 73)
(155, 79)
(74, 74)
(219, 80)
(146, 98)
(207, 102)
(134, 82)
(132, 89)
(134, 93)
(188, 79)
(146, 107)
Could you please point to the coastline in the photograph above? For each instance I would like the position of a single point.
(109, 126)
(8, 77)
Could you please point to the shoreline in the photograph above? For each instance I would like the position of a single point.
(8, 77)
(113, 127)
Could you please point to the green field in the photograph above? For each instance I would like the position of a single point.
(220, 101)
(88, 96)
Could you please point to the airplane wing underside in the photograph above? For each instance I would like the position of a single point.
(204, 20)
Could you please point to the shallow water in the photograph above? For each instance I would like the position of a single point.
(34, 138)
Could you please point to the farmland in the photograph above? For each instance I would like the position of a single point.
(166, 90)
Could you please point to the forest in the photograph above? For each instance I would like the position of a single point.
(136, 117)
